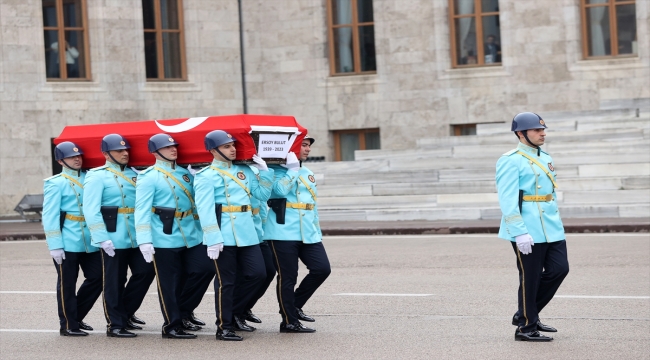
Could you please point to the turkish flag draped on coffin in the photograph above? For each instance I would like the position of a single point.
(187, 132)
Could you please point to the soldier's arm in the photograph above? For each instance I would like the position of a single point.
(92, 200)
(261, 189)
(52, 215)
(204, 188)
(507, 179)
(285, 180)
(144, 192)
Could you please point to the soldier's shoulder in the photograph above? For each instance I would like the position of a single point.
(52, 178)
(98, 168)
(509, 153)
(203, 169)
(145, 171)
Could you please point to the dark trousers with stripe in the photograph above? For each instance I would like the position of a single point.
(75, 305)
(249, 259)
(196, 280)
(269, 264)
(540, 275)
(121, 302)
(181, 273)
(286, 255)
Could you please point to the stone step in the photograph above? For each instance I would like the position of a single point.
(471, 187)
(573, 124)
(579, 137)
(464, 151)
(475, 213)
(472, 199)
(558, 161)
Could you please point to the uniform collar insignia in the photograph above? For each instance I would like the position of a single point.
(221, 164)
(114, 166)
(71, 172)
(164, 164)
(527, 148)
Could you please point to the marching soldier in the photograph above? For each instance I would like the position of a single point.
(293, 231)
(223, 198)
(166, 225)
(525, 179)
(260, 212)
(68, 240)
(110, 204)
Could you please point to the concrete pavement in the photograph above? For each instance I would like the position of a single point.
(419, 297)
(34, 230)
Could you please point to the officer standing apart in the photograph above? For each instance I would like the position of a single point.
(68, 240)
(223, 198)
(293, 231)
(525, 179)
(110, 204)
(166, 225)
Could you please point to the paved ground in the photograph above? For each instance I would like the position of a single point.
(602, 311)
(13, 228)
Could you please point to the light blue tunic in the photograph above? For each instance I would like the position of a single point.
(300, 225)
(213, 187)
(105, 188)
(64, 192)
(541, 220)
(155, 189)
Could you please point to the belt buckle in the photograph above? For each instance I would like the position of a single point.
(309, 206)
(549, 197)
(244, 208)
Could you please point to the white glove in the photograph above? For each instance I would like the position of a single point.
(260, 164)
(214, 250)
(108, 247)
(135, 170)
(525, 243)
(292, 161)
(58, 255)
(192, 171)
(147, 251)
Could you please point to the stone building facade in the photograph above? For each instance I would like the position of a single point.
(415, 92)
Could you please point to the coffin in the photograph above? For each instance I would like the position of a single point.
(278, 135)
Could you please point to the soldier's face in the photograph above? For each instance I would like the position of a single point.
(229, 151)
(537, 136)
(121, 156)
(169, 152)
(305, 148)
(73, 162)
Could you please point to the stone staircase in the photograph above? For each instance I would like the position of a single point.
(602, 160)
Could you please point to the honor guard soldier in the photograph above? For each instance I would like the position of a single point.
(110, 205)
(223, 198)
(69, 243)
(166, 225)
(526, 183)
(260, 212)
(293, 231)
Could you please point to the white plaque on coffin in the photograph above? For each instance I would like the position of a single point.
(274, 146)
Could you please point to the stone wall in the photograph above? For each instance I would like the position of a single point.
(414, 94)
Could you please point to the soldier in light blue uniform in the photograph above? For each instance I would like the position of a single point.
(526, 183)
(293, 231)
(68, 240)
(223, 198)
(166, 224)
(109, 199)
(260, 212)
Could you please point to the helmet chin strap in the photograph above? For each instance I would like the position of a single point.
(222, 155)
(161, 155)
(70, 167)
(122, 166)
(525, 132)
